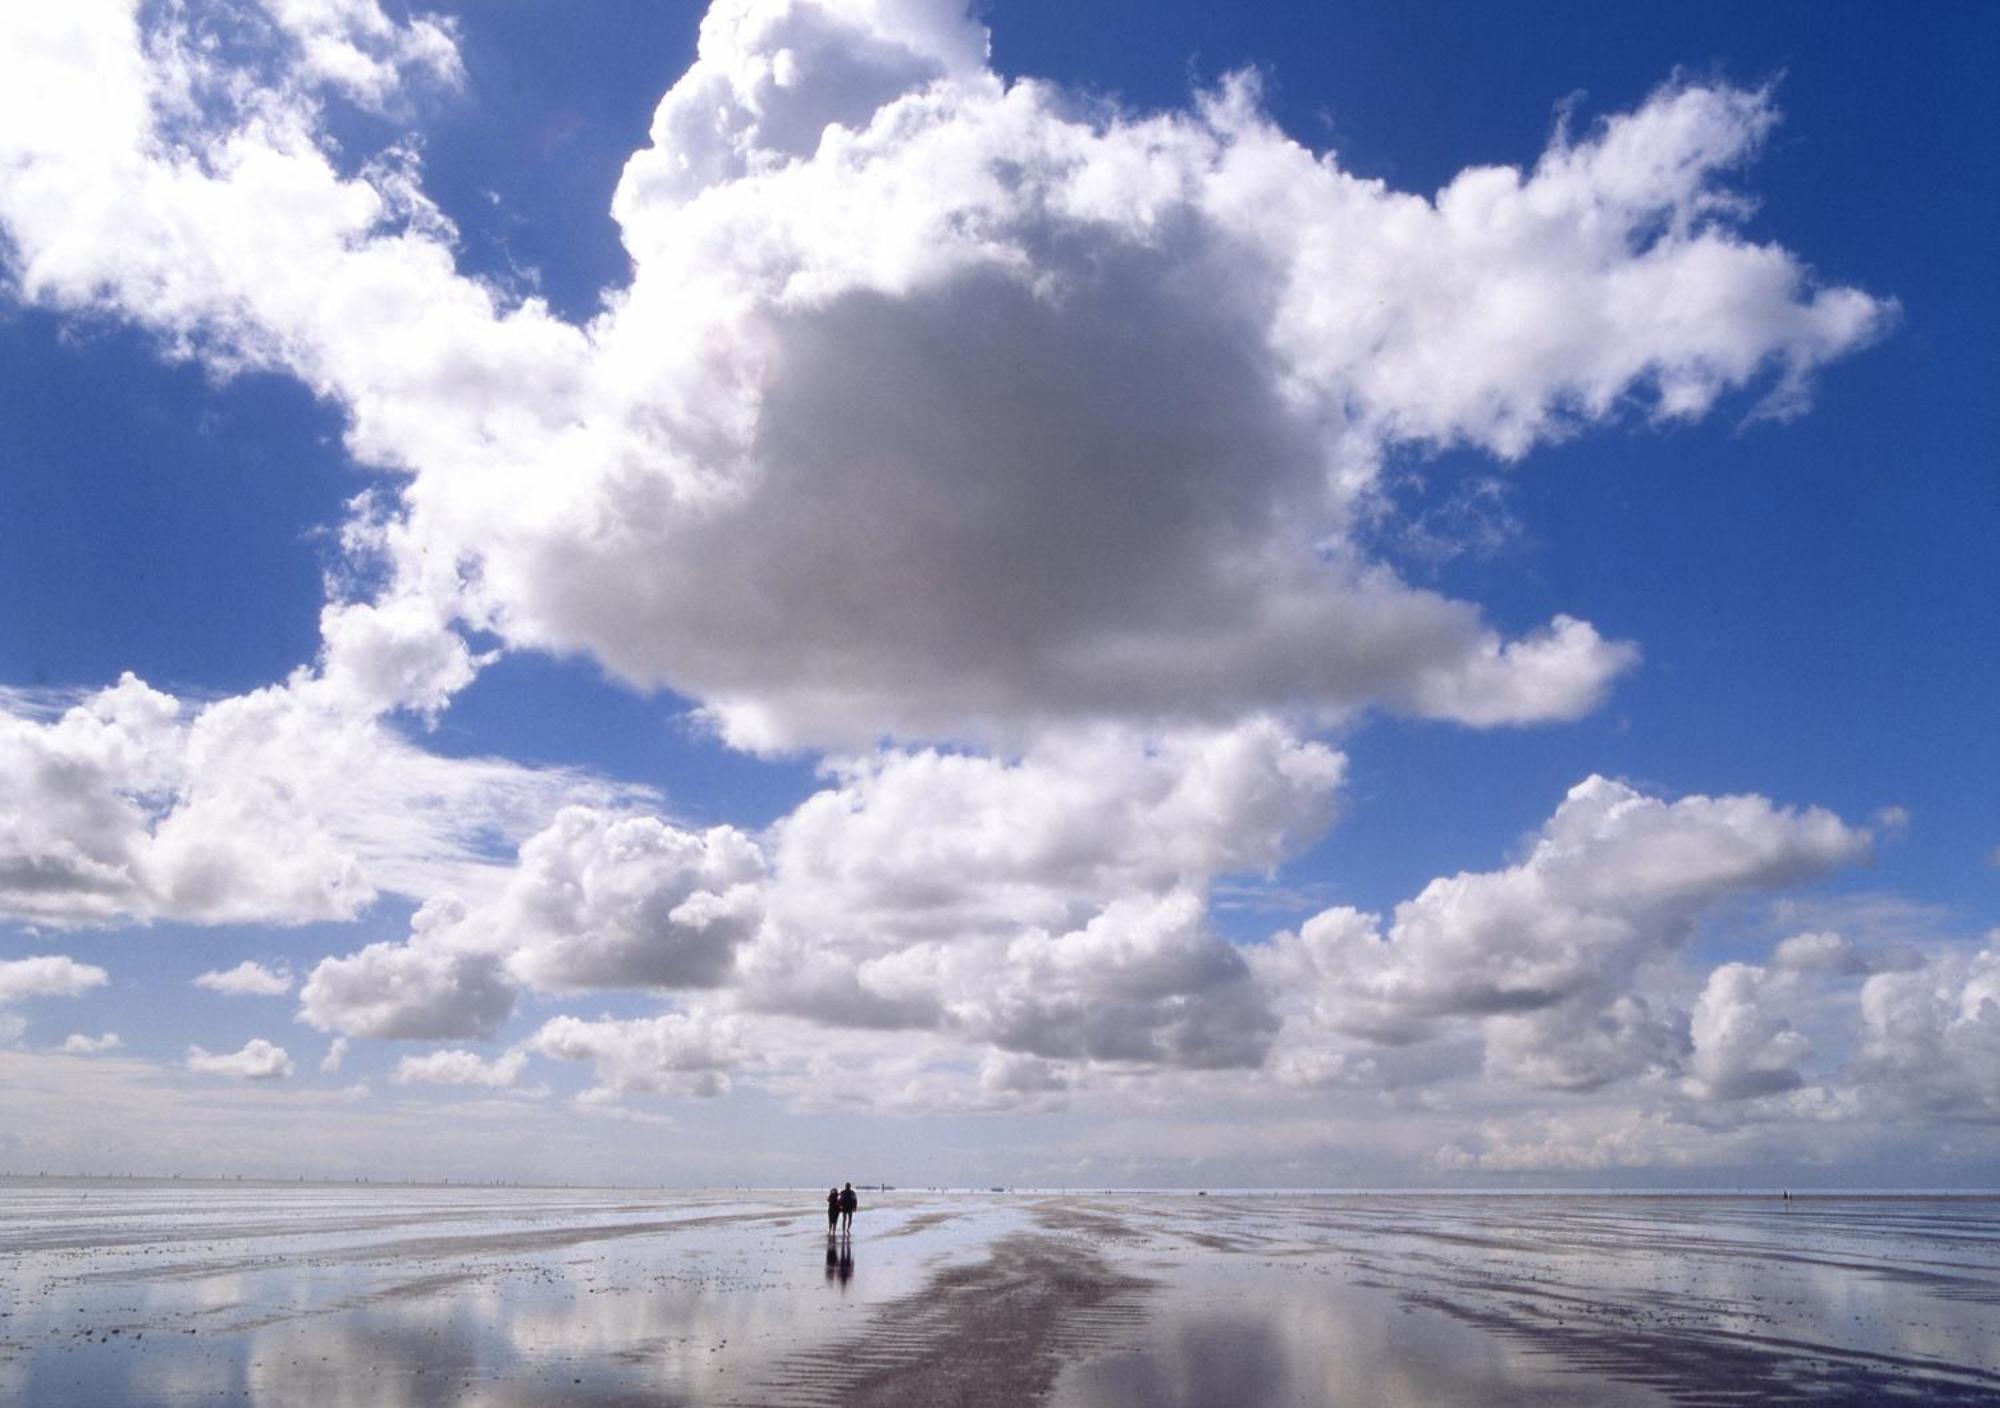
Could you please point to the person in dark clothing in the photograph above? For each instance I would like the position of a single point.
(848, 1203)
(832, 1210)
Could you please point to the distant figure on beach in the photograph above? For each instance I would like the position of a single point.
(832, 1210)
(848, 1203)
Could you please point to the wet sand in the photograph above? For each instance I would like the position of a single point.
(127, 1293)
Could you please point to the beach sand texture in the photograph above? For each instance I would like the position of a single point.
(138, 1293)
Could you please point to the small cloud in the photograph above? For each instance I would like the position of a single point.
(335, 1054)
(600, 1103)
(456, 1067)
(80, 1045)
(48, 975)
(1822, 952)
(1893, 820)
(248, 979)
(258, 1060)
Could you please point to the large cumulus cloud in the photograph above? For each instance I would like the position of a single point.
(937, 404)
(597, 899)
(1019, 453)
(1052, 906)
(1544, 954)
(1931, 1036)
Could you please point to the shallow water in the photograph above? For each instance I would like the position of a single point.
(126, 1293)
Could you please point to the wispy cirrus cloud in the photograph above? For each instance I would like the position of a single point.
(247, 979)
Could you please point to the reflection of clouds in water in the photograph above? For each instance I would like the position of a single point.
(1710, 1295)
(374, 1359)
(670, 1320)
(1805, 1273)
(570, 1321)
(1299, 1337)
(213, 1292)
(1390, 1300)
(180, 1378)
(1874, 1312)
(1220, 1359)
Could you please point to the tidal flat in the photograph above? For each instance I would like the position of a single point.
(122, 1292)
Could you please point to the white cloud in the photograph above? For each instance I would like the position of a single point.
(1818, 951)
(602, 900)
(397, 654)
(258, 1060)
(1740, 1048)
(596, 899)
(1145, 368)
(812, 1068)
(1588, 1141)
(1053, 905)
(1272, 323)
(769, 80)
(284, 805)
(461, 1068)
(1109, 518)
(930, 843)
(353, 46)
(1593, 1039)
(1144, 981)
(415, 990)
(1931, 1036)
(248, 979)
(336, 1054)
(1543, 952)
(676, 1053)
(78, 1044)
(1893, 820)
(47, 975)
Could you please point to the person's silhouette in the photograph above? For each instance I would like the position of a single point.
(848, 1203)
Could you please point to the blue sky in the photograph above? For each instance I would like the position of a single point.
(1151, 574)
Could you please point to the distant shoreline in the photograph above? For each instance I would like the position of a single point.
(171, 1180)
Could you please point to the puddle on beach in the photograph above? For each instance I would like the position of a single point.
(123, 1293)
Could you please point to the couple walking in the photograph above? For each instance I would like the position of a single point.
(840, 1206)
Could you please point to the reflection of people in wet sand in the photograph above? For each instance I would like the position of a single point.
(832, 1210)
(848, 1203)
(839, 1261)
